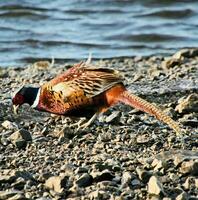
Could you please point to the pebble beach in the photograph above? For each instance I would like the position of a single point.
(124, 154)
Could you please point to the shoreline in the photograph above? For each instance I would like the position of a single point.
(124, 154)
(62, 61)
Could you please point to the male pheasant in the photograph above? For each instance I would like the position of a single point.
(85, 91)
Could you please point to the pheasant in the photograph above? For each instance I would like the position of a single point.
(84, 91)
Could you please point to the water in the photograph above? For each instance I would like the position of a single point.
(70, 29)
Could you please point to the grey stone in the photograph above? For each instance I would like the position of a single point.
(4, 141)
(8, 124)
(3, 74)
(182, 196)
(56, 183)
(143, 139)
(136, 183)
(24, 174)
(182, 53)
(143, 175)
(7, 178)
(170, 63)
(81, 170)
(126, 194)
(138, 58)
(190, 183)
(153, 198)
(196, 183)
(20, 144)
(99, 194)
(41, 65)
(105, 175)
(188, 105)
(187, 53)
(85, 180)
(105, 137)
(114, 117)
(154, 186)
(159, 164)
(19, 183)
(20, 138)
(107, 184)
(44, 176)
(183, 155)
(10, 193)
(173, 176)
(126, 178)
(194, 52)
(18, 197)
(189, 167)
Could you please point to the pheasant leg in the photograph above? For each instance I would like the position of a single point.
(85, 125)
(80, 121)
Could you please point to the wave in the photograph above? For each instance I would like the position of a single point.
(115, 28)
(169, 14)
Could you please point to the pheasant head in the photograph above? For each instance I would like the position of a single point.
(24, 95)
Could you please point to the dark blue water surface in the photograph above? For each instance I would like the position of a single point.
(70, 29)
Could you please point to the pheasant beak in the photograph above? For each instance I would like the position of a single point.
(15, 108)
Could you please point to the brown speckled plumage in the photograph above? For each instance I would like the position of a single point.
(80, 89)
(84, 90)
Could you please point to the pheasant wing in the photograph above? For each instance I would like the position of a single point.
(89, 83)
(78, 91)
(68, 75)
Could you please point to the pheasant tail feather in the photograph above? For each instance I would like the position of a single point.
(149, 108)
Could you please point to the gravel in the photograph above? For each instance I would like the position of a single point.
(125, 154)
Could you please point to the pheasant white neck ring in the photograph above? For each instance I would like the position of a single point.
(36, 101)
